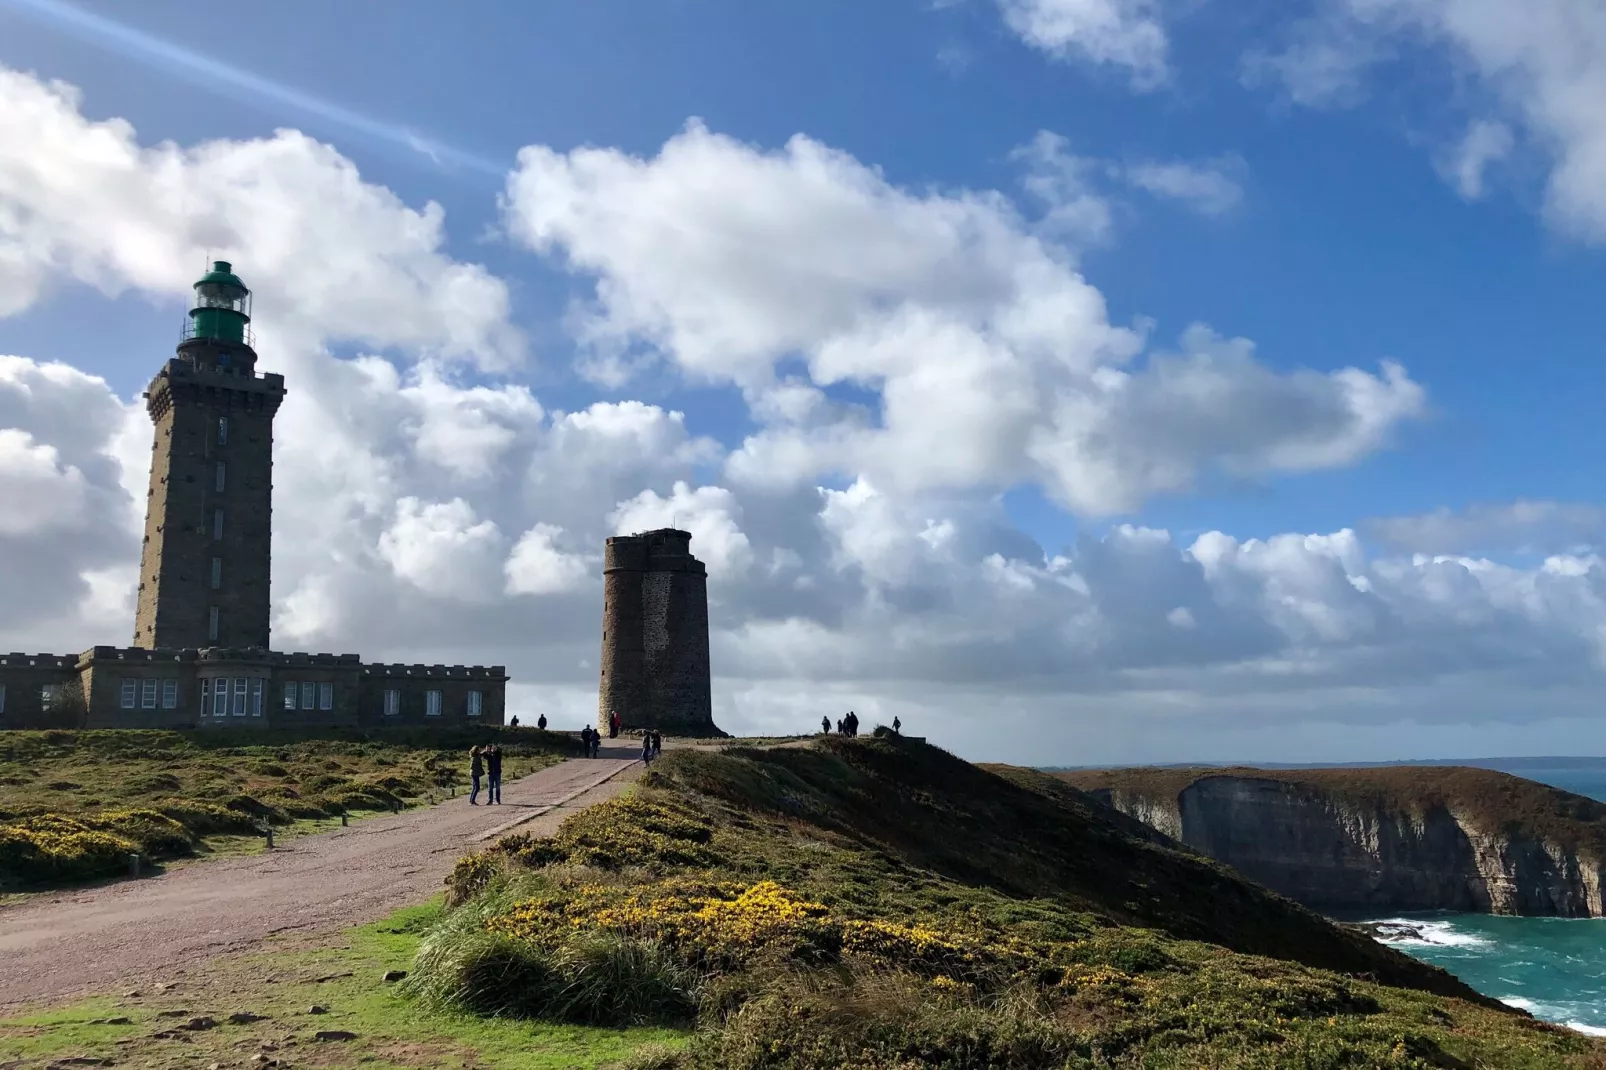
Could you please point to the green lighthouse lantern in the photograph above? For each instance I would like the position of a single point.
(222, 307)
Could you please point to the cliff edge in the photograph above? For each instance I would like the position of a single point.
(1394, 838)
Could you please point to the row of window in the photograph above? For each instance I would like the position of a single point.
(237, 696)
(242, 696)
(49, 697)
(474, 707)
(144, 694)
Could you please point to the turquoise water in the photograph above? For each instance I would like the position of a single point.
(1554, 968)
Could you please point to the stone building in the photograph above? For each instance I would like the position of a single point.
(655, 671)
(200, 654)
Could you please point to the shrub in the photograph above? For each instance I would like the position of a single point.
(207, 819)
(156, 834)
(47, 850)
(152, 783)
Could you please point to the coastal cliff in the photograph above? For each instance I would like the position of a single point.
(1396, 838)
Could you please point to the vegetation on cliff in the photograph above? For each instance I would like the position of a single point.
(879, 903)
(1490, 800)
(75, 804)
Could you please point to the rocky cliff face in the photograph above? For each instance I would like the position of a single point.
(1328, 845)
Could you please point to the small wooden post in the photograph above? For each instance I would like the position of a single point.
(344, 821)
(267, 830)
(133, 865)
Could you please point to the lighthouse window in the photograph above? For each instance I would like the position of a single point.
(217, 573)
(222, 431)
(218, 478)
(217, 523)
(211, 623)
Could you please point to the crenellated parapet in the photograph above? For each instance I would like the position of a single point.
(449, 672)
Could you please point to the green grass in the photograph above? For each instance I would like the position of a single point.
(877, 903)
(74, 805)
(393, 1029)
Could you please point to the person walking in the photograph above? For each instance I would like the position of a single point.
(493, 766)
(825, 725)
(897, 727)
(476, 769)
(515, 722)
(613, 724)
(646, 748)
(541, 722)
(657, 743)
(585, 740)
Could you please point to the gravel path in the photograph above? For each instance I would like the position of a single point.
(56, 947)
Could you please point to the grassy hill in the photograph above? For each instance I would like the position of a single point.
(1492, 800)
(75, 804)
(877, 903)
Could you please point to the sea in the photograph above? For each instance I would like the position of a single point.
(1554, 968)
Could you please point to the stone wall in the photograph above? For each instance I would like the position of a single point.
(189, 402)
(655, 669)
(412, 685)
(23, 680)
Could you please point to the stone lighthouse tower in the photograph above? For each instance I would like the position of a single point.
(205, 565)
(655, 671)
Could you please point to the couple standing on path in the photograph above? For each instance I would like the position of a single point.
(652, 745)
(481, 761)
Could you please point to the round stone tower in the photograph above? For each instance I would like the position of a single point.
(655, 671)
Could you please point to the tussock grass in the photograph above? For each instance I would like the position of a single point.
(75, 804)
(876, 903)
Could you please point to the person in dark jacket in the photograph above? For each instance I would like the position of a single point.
(897, 727)
(541, 723)
(646, 748)
(825, 725)
(493, 766)
(476, 769)
(657, 743)
(585, 738)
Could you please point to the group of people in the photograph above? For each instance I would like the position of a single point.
(849, 725)
(845, 726)
(652, 740)
(483, 760)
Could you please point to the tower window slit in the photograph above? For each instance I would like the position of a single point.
(218, 478)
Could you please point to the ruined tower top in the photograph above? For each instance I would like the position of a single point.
(659, 550)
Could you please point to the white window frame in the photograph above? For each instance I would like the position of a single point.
(290, 694)
(169, 694)
(256, 696)
(50, 696)
(220, 697)
(219, 477)
(239, 696)
(147, 694)
(206, 696)
(217, 573)
(392, 702)
(309, 695)
(432, 703)
(476, 703)
(326, 696)
(217, 523)
(213, 623)
(129, 699)
(222, 430)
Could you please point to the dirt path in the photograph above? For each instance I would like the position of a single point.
(58, 947)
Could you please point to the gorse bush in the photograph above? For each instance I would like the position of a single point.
(174, 790)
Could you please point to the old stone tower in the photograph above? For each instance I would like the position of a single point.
(655, 670)
(206, 562)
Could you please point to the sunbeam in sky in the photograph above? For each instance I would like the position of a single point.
(240, 84)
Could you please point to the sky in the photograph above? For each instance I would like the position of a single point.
(1079, 381)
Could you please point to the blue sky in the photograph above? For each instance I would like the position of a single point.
(1347, 241)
